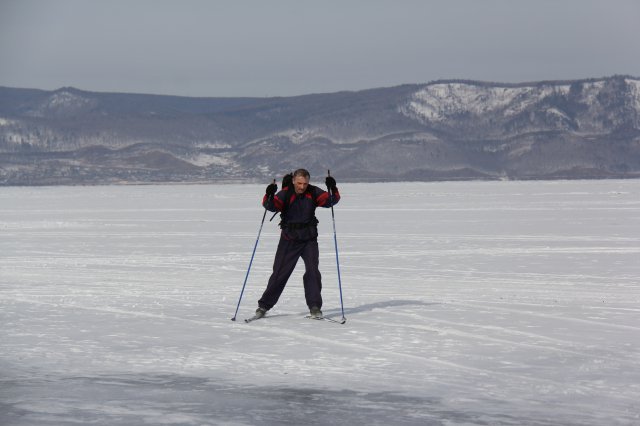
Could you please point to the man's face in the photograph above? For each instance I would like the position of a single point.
(300, 183)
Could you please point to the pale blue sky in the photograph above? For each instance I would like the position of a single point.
(292, 47)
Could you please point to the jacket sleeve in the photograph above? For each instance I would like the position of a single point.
(324, 199)
(274, 204)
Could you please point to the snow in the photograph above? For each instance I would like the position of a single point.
(496, 303)
(635, 91)
(591, 90)
(557, 112)
(436, 102)
(66, 99)
(299, 135)
(204, 160)
(62, 101)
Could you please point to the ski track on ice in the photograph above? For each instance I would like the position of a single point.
(332, 342)
(549, 316)
(450, 331)
(269, 330)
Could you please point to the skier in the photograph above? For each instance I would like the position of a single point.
(297, 202)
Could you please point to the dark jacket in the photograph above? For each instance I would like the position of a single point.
(298, 211)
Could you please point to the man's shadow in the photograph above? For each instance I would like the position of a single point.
(378, 305)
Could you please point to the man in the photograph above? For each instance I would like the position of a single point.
(297, 202)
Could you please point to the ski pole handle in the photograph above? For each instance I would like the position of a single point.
(271, 190)
(330, 182)
(270, 198)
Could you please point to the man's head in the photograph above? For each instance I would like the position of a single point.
(301, 180)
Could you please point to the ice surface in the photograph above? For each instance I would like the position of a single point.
(502, 303)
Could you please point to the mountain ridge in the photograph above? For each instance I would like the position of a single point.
(441, 130)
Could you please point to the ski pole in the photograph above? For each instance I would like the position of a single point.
(251, 261)
(335, 240)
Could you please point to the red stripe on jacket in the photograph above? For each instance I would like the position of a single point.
(324, 198)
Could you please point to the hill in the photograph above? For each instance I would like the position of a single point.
(441, 130)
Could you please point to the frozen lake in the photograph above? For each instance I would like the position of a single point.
(502, 303)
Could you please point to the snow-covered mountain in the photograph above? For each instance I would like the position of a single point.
(440, 130)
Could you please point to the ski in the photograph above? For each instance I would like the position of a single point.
(253, 318)
(326, 319)
(314, 318)
(256, 317)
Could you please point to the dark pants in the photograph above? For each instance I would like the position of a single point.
(285, 262)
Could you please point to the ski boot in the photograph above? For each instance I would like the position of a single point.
(315, 312)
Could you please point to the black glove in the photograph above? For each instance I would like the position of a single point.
(271, 190)
(331, 183)
(287, 181)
